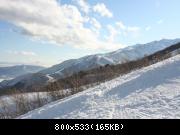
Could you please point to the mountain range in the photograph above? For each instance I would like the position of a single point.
(19, 70)
(122, 55)
(69, 67)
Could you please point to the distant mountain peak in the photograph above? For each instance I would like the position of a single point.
(18, 70)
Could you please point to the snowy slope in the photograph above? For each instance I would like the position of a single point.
(10, 100)
(151, 92)
(1, 80)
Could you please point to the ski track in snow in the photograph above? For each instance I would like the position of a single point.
(151, 92)
(50, 79)
(1, 80)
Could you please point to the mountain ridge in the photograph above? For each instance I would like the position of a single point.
(69, 67)
(114, 58)
(18, 70)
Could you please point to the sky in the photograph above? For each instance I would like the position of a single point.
(47, 32)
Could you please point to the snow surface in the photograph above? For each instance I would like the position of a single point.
(30, 97)
(50, 79)
(10, 103)
(151, 92)
(1, 80)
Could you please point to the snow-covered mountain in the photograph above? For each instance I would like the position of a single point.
(150, 92)
(15, 71)
(122, 55)
(88, 62)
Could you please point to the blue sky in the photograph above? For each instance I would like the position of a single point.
(49, 32)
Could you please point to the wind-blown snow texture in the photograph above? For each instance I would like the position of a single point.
(151, 92)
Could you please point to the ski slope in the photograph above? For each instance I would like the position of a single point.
(151, 92)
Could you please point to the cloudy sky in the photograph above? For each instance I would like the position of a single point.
(47, 32)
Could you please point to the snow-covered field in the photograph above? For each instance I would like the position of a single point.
(151, 92)
(30, 97)
(9, 100)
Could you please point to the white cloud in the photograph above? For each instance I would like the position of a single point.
(126, 30)
(83, 5)
(52, 21)
(148, 28)
(113, 33)
(96, 26)
(102, 10)
(160, 21)
(121, 30)
(133, 29)
(23, 53)
(121, 25)
(36, 63)
(26, 53)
